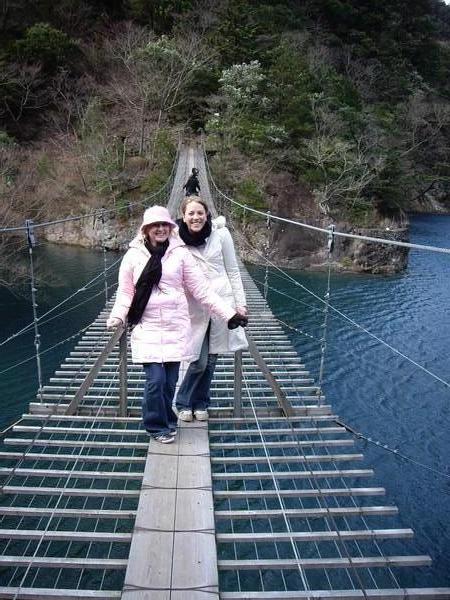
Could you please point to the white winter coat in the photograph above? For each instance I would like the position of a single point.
(217, 259)
(164, 331)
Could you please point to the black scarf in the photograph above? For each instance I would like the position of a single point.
(194, 239)
(149, 277)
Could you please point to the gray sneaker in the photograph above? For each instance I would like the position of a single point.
(201, 415)
(185, 415)
(164, 438)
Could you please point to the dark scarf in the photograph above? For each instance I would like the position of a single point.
(194, 239)
(149, 277)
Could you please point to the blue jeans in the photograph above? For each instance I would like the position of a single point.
(194, 391)
(159, 390)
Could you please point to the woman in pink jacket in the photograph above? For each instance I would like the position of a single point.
(153, 276)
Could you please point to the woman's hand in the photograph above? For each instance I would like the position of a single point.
(242, 310)
(113, 322)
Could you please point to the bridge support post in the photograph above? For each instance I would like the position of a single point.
(237, 412)
(123, 374)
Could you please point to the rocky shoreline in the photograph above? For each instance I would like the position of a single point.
(286, 245)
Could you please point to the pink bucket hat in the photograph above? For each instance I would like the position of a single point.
(157, 214)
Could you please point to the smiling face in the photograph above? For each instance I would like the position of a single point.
(157, 233)
(195, 216)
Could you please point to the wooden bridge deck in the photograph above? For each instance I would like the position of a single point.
(261, 506)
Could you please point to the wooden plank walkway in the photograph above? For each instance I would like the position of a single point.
(261, 506)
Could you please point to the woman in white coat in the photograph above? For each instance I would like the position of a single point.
(153, 278)
(211, 245)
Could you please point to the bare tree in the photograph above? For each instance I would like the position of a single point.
(346, 167)
(19, 84)
(152, 74)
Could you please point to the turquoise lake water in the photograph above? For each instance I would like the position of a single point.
(371, 388)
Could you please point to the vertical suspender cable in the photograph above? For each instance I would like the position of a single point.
(102, 219)
(37, 338)
(323, 340)
(266, 249)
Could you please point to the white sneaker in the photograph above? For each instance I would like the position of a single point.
(164, 438)
(185, 415)
(201, 415)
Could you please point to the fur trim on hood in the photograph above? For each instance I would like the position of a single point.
(219, 222)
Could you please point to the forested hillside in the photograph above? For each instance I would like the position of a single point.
(334, 109)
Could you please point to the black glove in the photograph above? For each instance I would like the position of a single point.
(237, 320)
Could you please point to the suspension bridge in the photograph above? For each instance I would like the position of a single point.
(268, 499)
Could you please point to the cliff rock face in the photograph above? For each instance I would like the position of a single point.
(114, 233)
(291, 246)
(285, 244)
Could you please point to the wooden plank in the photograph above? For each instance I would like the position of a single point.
(299, 493)
(62, 563)
(280, 431)
(326, 563)
(69, 491)
(83, 536)
(282, 445)
(117, 334)
(20, 472)
(94, 458)
(118, 445)
(23, 593)
(314, 536)
(78, 430)
(375, 594)
(351, 511)
(26, 511)
(295, 474)
(276, 458)
(173, 550)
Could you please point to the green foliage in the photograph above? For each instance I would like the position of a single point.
(361, 213)
(159, 14)
(121, 205)
(249, 192)
(91, 128)
(235, 36)
(106, 169)
(194, 110)
(289, 90)
(45, 45)
(346, 262)
(44, 167)
(5, 140)
(241, 85)
(163, 157)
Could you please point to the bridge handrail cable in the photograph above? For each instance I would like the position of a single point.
(342, 314)
(83, 288)
(99, 211)
(70, 472)
(269, 215)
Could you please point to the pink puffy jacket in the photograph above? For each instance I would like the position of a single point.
(164, 332)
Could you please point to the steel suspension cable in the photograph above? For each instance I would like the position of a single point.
(69, 475)
(97, 212)
(277, 489)
(313, 486)
(381, 445)
(78, 291)
(323, 230)
(352, 321)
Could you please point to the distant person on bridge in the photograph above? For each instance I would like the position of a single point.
(192, 185)
(153, 276)
(210, 243)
